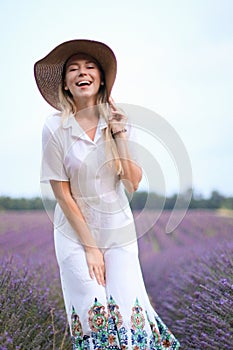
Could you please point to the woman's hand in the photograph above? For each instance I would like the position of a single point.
(96, 266)
(118, 119)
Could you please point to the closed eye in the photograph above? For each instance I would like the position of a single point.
(72, 68)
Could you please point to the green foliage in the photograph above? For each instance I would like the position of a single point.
(153, 201)
(8, 203)
(138, 201)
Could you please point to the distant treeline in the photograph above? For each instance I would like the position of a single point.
(138, 201)
(155, 201)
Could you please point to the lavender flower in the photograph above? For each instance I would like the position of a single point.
(188, 275)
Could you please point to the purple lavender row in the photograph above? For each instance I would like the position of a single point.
(32, 315)
(196, 296)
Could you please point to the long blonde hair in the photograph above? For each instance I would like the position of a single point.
(68, 107)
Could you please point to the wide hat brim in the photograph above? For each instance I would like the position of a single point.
(48, 70)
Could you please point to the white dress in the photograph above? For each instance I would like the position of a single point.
(119, 315)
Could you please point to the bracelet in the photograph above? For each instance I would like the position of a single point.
(118, 132)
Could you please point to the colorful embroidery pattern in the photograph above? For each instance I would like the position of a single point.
(114, 312)
(98, 322)
(78, 340)
(76, 325)
(139, 336)
(162, 338)
(108, 332)
(98, 317)
(115, 324)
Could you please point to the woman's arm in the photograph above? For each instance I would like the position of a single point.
(132, 172)
(73, 214)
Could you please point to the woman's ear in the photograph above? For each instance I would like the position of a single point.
(65, 87)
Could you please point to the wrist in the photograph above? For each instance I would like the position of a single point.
(89, 248)
(118, 133)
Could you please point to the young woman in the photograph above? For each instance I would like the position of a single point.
(88, 159)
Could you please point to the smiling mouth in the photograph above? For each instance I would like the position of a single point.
(83, 83)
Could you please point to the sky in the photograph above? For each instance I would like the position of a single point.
(175, 58)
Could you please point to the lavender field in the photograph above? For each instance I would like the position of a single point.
(188, 275)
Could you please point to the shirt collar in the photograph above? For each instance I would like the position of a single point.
(76, 130)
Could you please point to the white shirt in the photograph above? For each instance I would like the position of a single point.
(70, 155)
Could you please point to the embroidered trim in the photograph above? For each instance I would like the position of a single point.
(79, 341)
(115, 324)
(114, 312)
(98, 317)
(76, 325)
(108, 332)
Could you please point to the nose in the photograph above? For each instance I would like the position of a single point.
(82, 71)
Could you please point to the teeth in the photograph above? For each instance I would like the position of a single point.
(83, 82)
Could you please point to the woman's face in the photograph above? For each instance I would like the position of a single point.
(82, 78)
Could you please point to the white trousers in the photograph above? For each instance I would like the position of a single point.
(117, 316)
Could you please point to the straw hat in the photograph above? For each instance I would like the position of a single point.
(48, 71)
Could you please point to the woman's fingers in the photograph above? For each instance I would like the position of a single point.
(118, 115)
(98, 272)
(112, 104)
(117, 118)
(100, 275)
(96, 265)
(91, 272)
(114, 109)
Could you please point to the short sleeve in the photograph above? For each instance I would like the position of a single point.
(52, 164)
